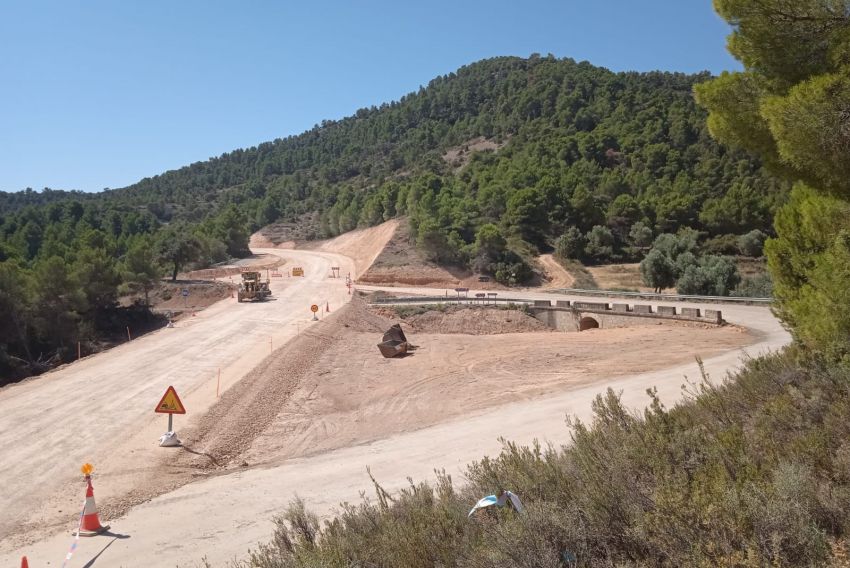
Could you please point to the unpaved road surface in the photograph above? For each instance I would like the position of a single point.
(557, 276)
(225, 515)
(353, 396)
(101, 408)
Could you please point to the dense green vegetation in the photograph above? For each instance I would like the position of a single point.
(755, 472)
(675, 260)
(790, 107)
(609, 160)
(582, 147)
(63, 266)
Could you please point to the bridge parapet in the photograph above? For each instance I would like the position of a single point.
(618, 314)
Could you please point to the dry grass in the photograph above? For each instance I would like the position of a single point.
(619, 277)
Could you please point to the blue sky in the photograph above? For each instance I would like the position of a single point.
(100, 94)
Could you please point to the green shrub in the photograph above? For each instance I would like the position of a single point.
(758, 286)
(600, 244)
(751, 472)
(570, 245)
(722, 244)
(752, 244)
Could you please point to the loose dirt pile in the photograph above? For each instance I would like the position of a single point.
(472, 320)
(247, 409)
(168, 295)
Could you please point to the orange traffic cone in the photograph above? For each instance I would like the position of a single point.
(24, 563)
(90, 525)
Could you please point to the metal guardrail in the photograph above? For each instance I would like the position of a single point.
(575, 292)
(660, 297)
(447, 299)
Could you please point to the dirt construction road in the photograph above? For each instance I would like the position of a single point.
(101, 410)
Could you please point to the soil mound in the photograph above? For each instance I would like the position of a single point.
(358, 317)
(466, 320)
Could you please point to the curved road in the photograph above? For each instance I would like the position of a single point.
(224, 516)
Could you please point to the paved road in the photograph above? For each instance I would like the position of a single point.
(224, 516)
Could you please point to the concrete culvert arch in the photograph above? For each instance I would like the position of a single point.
(587, 323)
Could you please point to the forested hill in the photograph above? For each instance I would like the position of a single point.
(584, 145)
(578, 137)
(493, 163)
(14, 201)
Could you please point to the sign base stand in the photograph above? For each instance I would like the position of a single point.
(169, 440)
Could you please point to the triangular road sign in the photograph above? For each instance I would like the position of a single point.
(170, 403)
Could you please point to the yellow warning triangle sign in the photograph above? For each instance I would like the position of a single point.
(170, 403)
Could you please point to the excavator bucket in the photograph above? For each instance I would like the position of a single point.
(394, 333)
(393, 343)
(392, 348)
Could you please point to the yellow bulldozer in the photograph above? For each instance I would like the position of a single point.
(253, 288)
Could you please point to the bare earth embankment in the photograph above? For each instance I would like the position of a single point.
(362, 246)
(556, 276)
(401, 263)
(350, 395)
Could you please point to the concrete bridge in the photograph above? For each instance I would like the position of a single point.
(568, 315)
(575, 315)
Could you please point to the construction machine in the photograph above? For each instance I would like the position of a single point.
(253, 288)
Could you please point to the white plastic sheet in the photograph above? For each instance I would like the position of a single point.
(168, 440)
